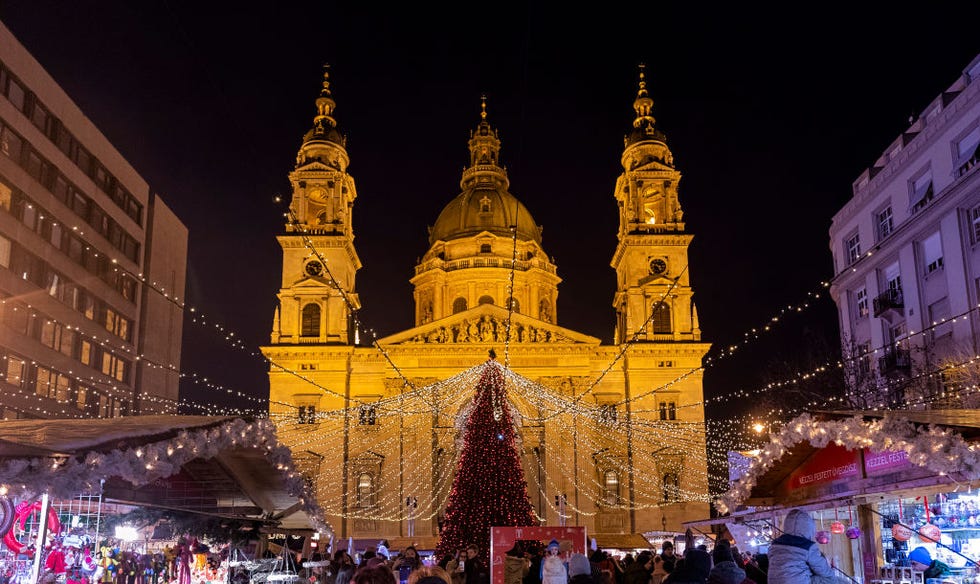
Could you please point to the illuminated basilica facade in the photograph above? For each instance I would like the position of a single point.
(618, 430)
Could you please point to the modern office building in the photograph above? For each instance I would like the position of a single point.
(92, 262)
(906, 253)
(611, 437)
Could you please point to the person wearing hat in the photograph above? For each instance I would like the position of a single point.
(580, 570)
(921, 560)
(693, 568)
(795, 557)
(553, 569)
(725, 570)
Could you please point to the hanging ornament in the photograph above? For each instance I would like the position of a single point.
(899, 531)
(823, 536)
(852, 531)
(836, 526)
(930, 533)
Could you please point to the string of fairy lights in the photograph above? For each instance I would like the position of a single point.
(570, 415)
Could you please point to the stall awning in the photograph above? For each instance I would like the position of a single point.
(803, 474)
(621, 541)
(228, 466)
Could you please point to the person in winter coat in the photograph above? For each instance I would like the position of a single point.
(553, 569)
(694, 570)
(757, 569)
(794, 556)
(579, 570)
(922, 561)
(659, 573)
(516, 565)
(725, 570)
(639, 571)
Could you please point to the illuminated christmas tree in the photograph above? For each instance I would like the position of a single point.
(489, 488)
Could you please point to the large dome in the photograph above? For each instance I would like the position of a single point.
(484, 209)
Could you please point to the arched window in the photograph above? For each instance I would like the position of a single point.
(311, 320)
(485, 248)
(661, 319)
(365, 490)
(610, 484)
(485, 300)
(459, 305)
(514, 305)
(671, 485)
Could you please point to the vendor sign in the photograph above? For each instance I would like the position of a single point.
(829, 464)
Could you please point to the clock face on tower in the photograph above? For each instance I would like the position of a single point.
(658, 266)
(313, 268)
(317, 195)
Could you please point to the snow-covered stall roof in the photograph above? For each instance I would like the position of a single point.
(222, 465)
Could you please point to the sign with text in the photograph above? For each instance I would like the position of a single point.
(830, 463)
(885, 462)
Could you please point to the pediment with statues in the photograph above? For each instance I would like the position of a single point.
(487, 324)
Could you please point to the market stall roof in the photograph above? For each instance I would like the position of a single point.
(790, 449)
(228, 466)
(621, 541)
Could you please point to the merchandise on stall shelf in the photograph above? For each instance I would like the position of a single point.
(22, 511)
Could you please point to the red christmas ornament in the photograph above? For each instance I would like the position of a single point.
(929, 532)
(836, 526)
(901, 533)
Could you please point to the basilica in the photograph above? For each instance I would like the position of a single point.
(611, 437)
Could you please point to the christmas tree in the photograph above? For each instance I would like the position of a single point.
(489, 488)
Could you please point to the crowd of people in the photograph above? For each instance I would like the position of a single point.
(794, 557)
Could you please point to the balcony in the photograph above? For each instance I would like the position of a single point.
(895, 361)
(890, 300)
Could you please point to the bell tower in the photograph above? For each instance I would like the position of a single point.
(654, 299)
(319, 260)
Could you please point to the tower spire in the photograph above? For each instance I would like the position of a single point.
(643, 105)
(325, 103)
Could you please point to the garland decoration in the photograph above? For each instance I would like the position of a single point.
(67, 476)
(939, 450)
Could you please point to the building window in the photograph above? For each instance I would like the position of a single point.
(893, 278)
(939, 318)
(852, 248)
(661, 319)
(932, 253)
(15, 370)
(861, 299)
(967, 152)
(975, 223)
(365, 490)
(485, 248)
(671, 484)
(885, 223)
(922, 191)
(610, 484)
(459, 305)
(668, 411)
(311, 320)
(864, 360)
(367, 415)
(485, 300)
(608, 414)
(513, 305)
(306, 414)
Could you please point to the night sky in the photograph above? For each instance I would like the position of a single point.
(771, 115)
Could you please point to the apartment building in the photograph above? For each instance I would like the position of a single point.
(906, 253)
(92, 262)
